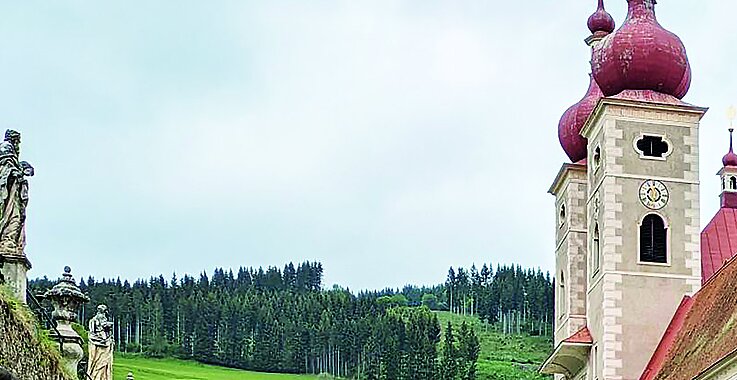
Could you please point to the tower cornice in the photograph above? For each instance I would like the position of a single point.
(563, 174)
(629, 101)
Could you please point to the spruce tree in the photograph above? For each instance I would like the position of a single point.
(449, 361)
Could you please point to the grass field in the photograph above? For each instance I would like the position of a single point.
(504, 357)
(172, 369)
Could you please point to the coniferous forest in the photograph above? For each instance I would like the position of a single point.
(283, 320)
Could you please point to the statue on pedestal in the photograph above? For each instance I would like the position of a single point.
(13, 195)
(13, 202)
(100, 365)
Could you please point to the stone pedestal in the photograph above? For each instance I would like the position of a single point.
(13, 270)
(66, 298)
(71, 353)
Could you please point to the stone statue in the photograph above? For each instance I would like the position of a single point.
(100, 363)
(13, 195)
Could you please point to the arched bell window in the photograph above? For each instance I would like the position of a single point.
(562, 295)
(733, 183)
(596, 158)
(562, 216)
(653, 240)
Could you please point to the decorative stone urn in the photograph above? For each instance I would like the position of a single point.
(66, 297)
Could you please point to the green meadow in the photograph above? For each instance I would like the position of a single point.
(502, 357)
(173, 369)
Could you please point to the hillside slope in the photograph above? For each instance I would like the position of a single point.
(504, 357)
(171, 369)
(24, 350)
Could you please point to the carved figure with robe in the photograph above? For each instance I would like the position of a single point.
(100, 362)
(13, 195)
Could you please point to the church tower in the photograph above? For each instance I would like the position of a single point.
(571, 191)
(641, 203)
(720, 235)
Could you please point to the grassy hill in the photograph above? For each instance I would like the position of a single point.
(504, 357)
(172, 369)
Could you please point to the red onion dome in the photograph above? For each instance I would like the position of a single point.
(569, 127)
(601, 20)
(730, 159)
(641, 55)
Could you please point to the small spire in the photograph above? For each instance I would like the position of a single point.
(601, 22)
(730, 159)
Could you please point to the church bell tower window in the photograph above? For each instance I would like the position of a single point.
(652, 147)
(596, 158)
(653, 240)
(562, 216)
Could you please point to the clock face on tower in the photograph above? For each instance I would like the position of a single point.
(654, 195)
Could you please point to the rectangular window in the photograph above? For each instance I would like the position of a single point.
(595, 251)
(594, 360)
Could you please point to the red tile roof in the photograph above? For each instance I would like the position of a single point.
(708, 332)
(570, 356)
(718, 242)
(581, 336)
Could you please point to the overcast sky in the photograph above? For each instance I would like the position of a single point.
(387, 139)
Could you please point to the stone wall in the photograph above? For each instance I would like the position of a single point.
(23, 352)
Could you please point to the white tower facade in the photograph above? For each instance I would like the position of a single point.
(643, 199)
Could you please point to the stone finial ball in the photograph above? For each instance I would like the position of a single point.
(67, 269)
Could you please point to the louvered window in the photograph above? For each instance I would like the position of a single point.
(653, 240)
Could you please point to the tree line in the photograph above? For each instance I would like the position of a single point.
(515, 299)
(280, 320)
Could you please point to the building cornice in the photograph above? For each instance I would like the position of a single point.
(641, 104)
(563, 174)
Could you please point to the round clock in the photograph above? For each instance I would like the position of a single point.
(654, 195)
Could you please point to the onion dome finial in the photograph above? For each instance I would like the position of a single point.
(570, 125)
(642, 55)
(601, 22)
(730, 159)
